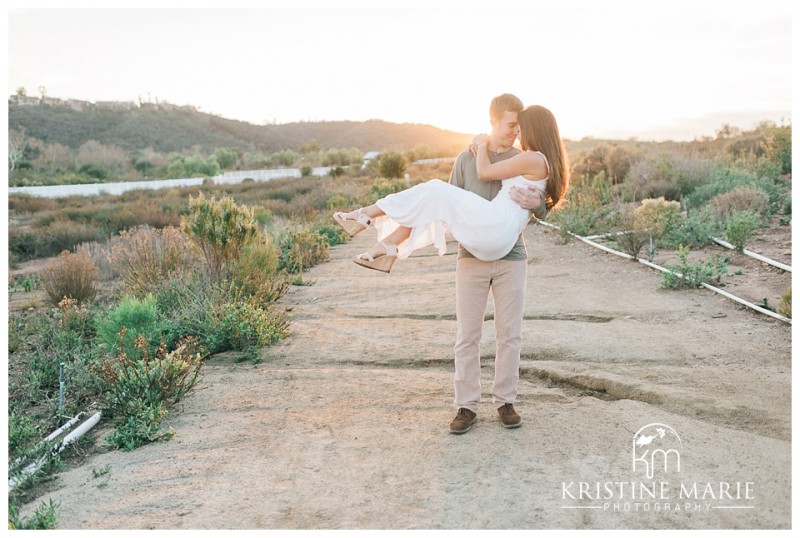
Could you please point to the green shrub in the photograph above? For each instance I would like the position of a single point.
(585, 212)
(720, 181)
(646, 224)
(220, 229)
(693, 275)
(333, 235)
(43, 518)
(741, 227)
(779, 147)
(140, 391)
(255, 273)
(391, 165)
(120, 329)
(302, 249)
(140, 426)
(22, 433)
(696, 230)
(70, 275)
(240, 326)
(385, 187)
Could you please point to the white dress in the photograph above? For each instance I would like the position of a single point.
(487, 229)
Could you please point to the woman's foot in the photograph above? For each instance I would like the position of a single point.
(353, 222)
(381, 257)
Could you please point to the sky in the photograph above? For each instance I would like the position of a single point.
(616, 69)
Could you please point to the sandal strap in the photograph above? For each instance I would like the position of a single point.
(363, 219)
(391, 250)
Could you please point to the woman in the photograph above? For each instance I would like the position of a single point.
(420, 216)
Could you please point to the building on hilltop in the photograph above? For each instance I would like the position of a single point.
(368, 157)
(24, 100)
(121, 105)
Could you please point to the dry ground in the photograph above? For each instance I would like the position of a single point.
(344, 425)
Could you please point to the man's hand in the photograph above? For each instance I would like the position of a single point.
(529, 198)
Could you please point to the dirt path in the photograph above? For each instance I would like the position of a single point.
(344, 425)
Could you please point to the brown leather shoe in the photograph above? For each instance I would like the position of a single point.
(463, 421)
(508, 417)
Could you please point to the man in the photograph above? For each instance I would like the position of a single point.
(505, 278)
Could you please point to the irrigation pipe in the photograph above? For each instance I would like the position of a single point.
(65, 427)
(73, 436)
(665, 270)
(752, 254)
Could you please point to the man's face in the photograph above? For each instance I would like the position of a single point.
(506, 129)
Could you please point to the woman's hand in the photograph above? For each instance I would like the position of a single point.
(480, 139)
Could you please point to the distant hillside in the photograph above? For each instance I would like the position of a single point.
(178, 129)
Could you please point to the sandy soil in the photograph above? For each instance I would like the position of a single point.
(344, 425)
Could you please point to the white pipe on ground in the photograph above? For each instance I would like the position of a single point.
(65, 427)
(73, 436)
(752, 254)
(665, 270)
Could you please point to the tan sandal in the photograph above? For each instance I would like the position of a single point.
(353, 227)
(382, 262)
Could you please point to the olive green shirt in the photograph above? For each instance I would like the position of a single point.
(465, 175)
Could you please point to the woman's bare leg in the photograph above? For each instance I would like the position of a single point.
(395, 238)
(371, 211)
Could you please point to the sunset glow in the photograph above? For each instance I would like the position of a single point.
(605, 69)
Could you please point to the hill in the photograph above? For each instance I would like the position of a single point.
(178, 129)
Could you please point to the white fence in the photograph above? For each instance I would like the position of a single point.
(94, 189)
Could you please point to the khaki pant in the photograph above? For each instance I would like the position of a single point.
(474, 280)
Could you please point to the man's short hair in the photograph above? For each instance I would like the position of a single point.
(504, 102)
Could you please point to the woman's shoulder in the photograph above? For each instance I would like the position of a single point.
(539, 166)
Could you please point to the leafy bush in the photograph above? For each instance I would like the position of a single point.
(647, 224)
(70, 275)
(665, 176)
(43, 518)
(120, 330)
(140, 426)
(220, 229)
(391, 164)
(22, 432)
(696, 230)
(255, 273)
(146, 257)
(384, 187)
(241, 325)
(64, 335)
(140, 391)
(588, 209)
(301, 249)
(686, 275)
(741, 198)
(779, 147)
(741, 227)
(721, 180)
(333, 235)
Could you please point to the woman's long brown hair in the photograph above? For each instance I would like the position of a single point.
(539, 132)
